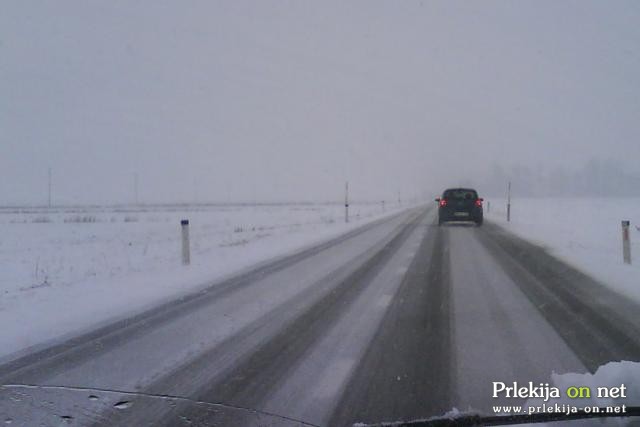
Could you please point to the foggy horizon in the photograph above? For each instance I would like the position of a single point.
(286, 101)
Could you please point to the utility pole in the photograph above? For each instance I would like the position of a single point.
(195, 190)
(49, 197)
(509, 202)
(346, 202)
(135, 187)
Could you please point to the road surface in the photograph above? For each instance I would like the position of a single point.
(397, 320)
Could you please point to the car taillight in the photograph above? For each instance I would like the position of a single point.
(479, 203)
(443, 202)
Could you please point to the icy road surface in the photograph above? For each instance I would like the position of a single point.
(397, 320)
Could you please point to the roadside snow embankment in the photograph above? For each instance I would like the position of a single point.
(68, 270)
(584, 232)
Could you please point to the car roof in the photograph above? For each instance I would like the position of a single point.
(460, 189)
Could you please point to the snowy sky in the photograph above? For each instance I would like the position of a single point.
(285, 100)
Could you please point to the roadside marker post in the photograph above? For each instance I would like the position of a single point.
(186, 255)
(626, 243)
(346, 202)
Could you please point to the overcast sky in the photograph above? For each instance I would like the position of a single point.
(285, 100)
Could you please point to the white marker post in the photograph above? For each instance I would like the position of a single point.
(186, 256)
(488, 206)
(346, 202)
(626, 243)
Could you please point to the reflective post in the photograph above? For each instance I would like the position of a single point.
(626, 244)
(185, 242)
(346, 202)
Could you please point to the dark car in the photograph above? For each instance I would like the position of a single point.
(459, 204)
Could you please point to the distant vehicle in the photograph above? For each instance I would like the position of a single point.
(460, 204)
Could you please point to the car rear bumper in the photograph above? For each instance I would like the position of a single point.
(456, 215)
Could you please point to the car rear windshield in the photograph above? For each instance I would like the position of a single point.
(460, 193)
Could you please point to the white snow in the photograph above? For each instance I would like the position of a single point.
(612, 374)
(68, 270)
(586, 232)
(609, 375)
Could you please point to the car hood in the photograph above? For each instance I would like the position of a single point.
(26, 405)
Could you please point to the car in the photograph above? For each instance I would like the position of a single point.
(460, 204)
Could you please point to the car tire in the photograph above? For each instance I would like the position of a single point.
(479, 223)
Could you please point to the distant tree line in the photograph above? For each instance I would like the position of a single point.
(597, 178)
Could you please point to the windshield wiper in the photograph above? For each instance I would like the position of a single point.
(473, 420)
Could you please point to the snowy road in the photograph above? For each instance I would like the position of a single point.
(397, 320)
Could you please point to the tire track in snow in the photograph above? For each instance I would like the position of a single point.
(407, 371)
(244, 369)
(598, 324)
(252, 381)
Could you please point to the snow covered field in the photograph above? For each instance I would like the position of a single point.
(66, 270)
(585, 232)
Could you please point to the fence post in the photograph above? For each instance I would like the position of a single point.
(186, 256)
(626, 244)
